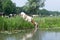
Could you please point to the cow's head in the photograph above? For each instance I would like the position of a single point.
(22, 13)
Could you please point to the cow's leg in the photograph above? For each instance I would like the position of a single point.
(34, 23)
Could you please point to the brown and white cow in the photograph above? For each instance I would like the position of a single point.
(28, 18)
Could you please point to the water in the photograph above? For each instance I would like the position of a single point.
(38, 35)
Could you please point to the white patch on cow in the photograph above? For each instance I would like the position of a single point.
(26, 17)
(23, 14)
(35, 15)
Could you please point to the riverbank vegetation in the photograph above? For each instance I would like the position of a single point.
(14, 23)
(32, 7)
(48, 22)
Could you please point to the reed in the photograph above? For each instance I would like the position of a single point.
(48, 22)
(14, 23)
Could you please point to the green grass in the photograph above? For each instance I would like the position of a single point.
(14, 23)
(48, 22)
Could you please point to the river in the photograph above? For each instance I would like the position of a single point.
(38, 35)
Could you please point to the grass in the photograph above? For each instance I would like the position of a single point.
(48, 22)
(18, 23)
(14, 23)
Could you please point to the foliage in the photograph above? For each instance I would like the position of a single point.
(14, 23)
(48, 22)
(32, 6)
(19, 10)
(1, 6)
(8, 7)
(44, 12)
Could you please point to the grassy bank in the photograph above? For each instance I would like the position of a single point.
(14, 23)
(48, 22)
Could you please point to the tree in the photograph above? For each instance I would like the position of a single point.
(32, 6)
(44, 12)
(1, 9)
(18, 10)
(9, 7)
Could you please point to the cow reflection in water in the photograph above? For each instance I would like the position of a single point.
(29, 19)
(29, 35)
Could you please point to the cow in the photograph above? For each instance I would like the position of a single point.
(35, 15)
(28, 18)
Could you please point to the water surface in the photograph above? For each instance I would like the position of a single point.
(38, 35)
